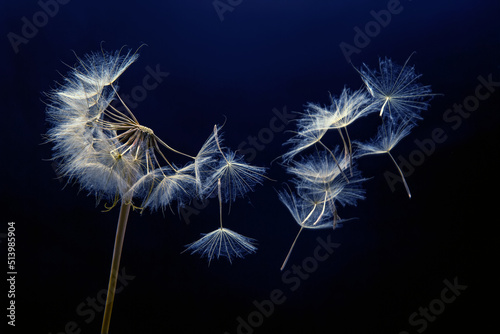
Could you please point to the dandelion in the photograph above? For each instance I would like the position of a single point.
(347, 109)
(389, 134)
(308, 213)
(343, 111)
(232, 178)
(206, 162)
(397, 89)
(320, 180)
(317, 175)
(311, 128)
(236, 177)
(111, 155)
(320, 185)
(223, 241)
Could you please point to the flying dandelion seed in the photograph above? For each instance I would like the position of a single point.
(317, 121)
(320, 180)
(320, 186)
(311, 128)
(396, 89)
(389, 134)
(235, 176)
(223, 241)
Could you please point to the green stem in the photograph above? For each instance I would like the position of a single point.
(117, 252)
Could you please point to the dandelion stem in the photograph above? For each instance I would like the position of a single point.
(322, 210)
(350, 143)
(220, 202)
(301, 227)
(401, 173)
(346, 149)
(117, 252)
(291, 248)
(350, 147)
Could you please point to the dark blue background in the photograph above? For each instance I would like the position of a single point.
(262, 55)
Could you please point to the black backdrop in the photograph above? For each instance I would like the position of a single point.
(237, 61)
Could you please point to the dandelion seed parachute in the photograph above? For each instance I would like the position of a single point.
(349, 107)
(236, 177)
(206, 162)
(310, 130)
(162, 186)
(222, 243)
(389, 134)
(317, 120)
(307, 212)
(318, 177)
(396, 89)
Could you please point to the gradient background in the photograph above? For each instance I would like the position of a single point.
(262, 55)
